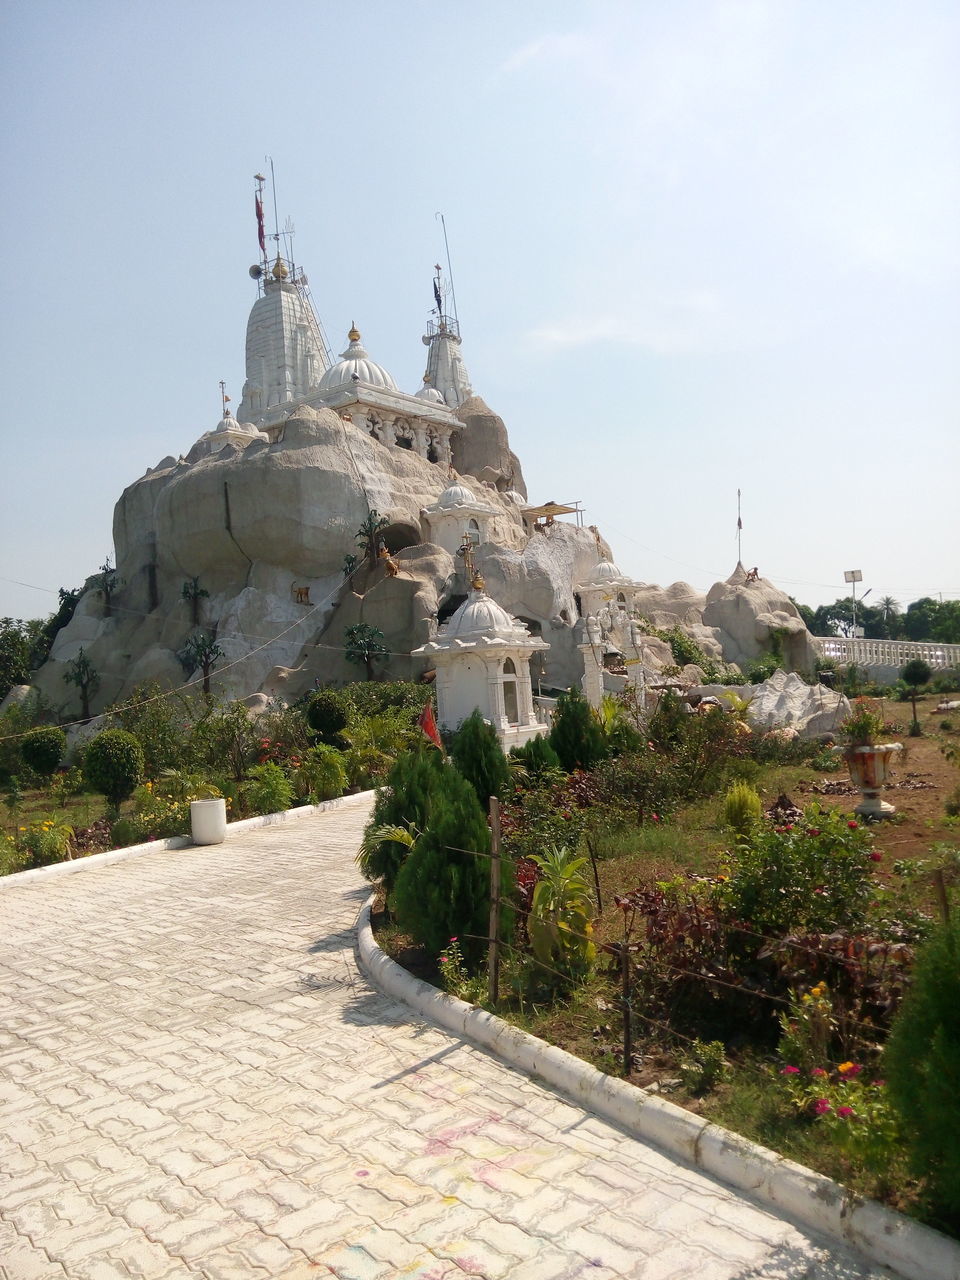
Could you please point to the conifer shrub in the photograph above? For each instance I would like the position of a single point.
(328, 714)
(742, 809)
(443, 887)
(477, 753)
(42, 749)
(921, 1063)
(113, 765)
(576, 736)
(405, 801)
(537, 757)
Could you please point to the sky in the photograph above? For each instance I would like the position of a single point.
(697, 247)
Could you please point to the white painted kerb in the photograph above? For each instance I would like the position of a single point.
(94, 860)
(882, 1235)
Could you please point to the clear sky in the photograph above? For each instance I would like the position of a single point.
(697, 246)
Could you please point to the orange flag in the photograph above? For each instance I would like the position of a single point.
(429, 725)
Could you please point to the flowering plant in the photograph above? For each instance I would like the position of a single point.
(865, 723)
(454, 976)
(853, 1106)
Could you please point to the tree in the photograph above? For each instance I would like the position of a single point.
(443, 887)
(328, 714)
(477, 753)
(576, 735)
(82, 673)
(403, 804)
(915, 673)
(363, 644)
(193, 593)
(946, 625)
(201, 651)
(113, 765)
(107, 582)
(42, 749)
(368, 536)
(921, 1063)
(918, 621)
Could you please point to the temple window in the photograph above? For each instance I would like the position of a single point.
(511, 703)
(473, 529)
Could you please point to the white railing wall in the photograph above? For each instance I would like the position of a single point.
(887, 653)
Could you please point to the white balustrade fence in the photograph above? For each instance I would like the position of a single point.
(887, 653)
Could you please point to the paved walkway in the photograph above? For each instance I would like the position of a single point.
(195, 1080)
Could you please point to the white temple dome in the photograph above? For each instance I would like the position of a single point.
(480, 615)
(228, 423)
(355, 366)
(429, 393)
(606, 571)
(456, 496)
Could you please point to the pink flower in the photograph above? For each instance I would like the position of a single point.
(788, 827)
(852, 826)
(821, 1107)
(876, 856)
(813, 831)
(818, 1071)
(849, 1069)
(790, 1071)
(845, 1112)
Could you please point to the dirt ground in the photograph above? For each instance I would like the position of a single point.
(922, 781)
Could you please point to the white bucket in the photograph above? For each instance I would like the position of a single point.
(208, 821)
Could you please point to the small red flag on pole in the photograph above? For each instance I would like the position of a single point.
(429, 725)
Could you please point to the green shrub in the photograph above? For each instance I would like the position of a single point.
(814, 877)
(405, 801)
(225, 735)
(576, 735)
(922, 1066)
(42, 749)
(113, 765)
(443, 887)
(370, 698)
(762, 668)
(321, 774)
(537, 758)
(560, 917)
(45, 841)
(328, 714)
(160, 721)
(268, 790)
(477, 753)
(742, 809)
(12, 858)
(535, 819)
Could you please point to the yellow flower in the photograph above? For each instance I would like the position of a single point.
(806, 999)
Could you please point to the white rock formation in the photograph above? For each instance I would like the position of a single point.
(263, 510)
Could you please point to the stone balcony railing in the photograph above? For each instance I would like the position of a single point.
(887, 653)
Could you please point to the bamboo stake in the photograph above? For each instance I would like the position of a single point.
(494, 952)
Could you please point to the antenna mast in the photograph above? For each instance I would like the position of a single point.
(453, 292)
(276, 216)
(739, 530)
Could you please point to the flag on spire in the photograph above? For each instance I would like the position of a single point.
(437, 295)
(260, 235)
(429, 725)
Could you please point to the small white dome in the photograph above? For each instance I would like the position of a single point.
(355, 366)
(479, 615)
(228, 423)
(606, 571)
(456, 496)
(430, 393)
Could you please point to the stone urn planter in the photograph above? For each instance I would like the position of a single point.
(208, 821)
(870, 766)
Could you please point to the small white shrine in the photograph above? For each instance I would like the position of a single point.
(612, 637)
(457, 515)
(482, 658)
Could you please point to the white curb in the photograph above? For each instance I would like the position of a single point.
(913, 1250)
(94, 860)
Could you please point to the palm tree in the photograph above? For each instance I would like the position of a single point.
(368, 535)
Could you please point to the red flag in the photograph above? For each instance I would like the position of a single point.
(429, 725)
(260, 235)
